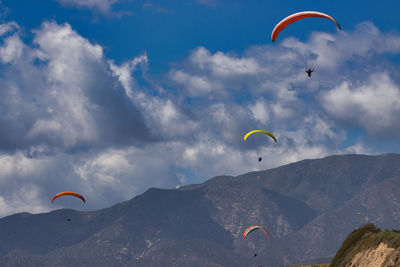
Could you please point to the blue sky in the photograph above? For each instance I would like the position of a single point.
(111, 97)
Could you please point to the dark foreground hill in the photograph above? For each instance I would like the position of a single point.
(309, 208)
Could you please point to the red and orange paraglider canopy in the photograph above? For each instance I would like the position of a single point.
(68, 194)
(298, 16)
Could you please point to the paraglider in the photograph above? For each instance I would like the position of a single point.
(255, 227)
(298, 16)
(68, 194)
(259, 131)
(251, 229)
(309, 71)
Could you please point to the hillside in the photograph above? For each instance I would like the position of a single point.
(369, 246)
(301, 204)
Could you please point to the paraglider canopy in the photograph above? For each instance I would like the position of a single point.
(255, 227)
(298, 16)
(68, 194)
(259, 131)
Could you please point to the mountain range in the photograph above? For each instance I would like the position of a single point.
(308, 207)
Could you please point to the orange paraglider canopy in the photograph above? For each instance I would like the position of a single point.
(298, 16)
(68, 194)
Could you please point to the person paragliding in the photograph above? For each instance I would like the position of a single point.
(260, 131)
(309, 71)
(251, 229)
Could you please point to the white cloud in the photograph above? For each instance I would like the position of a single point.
(102, 6)
(23, 183)
(8, 27)
(222, 65)
(259, 111)
(358, 148)
(25, 198)
(373, 105)
(166, 120)
(163, 118)
(120, 174)
(68, 53)
(194, 85)
(18, 165)
(62, 93)
(12, 49)
(281, 112)
(124, 73)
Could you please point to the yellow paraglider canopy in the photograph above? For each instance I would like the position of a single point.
(259, 131)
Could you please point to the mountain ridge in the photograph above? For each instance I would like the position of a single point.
(301, 204)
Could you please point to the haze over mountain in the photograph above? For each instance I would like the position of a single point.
(309, 207)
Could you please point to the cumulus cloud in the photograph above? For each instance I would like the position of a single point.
(23, 182)
(213, 74)
(62, 93)
(121, 173)
(374, 104)
(358, 148)
(8, 27)
(222, 65)
(259, 111)
(12, 49)
(193, 85)
(163, 117)
(23, 199)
